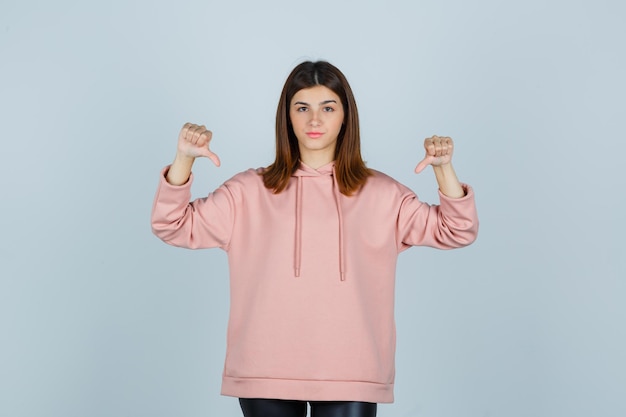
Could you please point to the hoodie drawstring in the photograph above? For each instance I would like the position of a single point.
(309, 172)
(298, 254)
(342, 264)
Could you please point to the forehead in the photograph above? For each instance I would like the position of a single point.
(315, 95)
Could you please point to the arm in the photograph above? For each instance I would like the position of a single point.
(452, 223)
(203, 223)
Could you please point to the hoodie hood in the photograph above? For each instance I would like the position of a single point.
(306, 171)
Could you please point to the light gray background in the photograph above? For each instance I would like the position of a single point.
(100, 318)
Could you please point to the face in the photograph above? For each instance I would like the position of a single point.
(316, 115)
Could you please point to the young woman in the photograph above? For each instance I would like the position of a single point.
(312, 243)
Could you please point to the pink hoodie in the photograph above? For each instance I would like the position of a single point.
(312, 275)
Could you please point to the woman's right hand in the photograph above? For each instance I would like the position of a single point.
(193, 142)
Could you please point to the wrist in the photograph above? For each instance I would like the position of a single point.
(444, 169)
(183, 159)
(448, 182)
(180, 170)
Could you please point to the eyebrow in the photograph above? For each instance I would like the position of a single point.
(322, 103)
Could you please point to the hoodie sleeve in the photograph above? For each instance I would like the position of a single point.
(203, 223)
(451, 224)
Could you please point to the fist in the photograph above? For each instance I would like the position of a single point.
(193, 141)
(438, 152)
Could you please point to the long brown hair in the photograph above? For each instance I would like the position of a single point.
(350, 169)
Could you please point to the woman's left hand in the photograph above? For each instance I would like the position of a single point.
(438, 152)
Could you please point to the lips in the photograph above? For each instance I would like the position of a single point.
(314, 135)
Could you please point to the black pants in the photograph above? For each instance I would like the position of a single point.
(260, 407)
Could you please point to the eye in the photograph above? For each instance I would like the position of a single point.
(329, 109)
(302, 109)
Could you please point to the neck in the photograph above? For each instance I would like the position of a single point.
(316, 160)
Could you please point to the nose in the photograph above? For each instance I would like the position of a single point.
(315, 119)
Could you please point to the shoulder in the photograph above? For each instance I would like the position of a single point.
(381, 177)
(248, 177)
(246, 182)
(380, 182)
